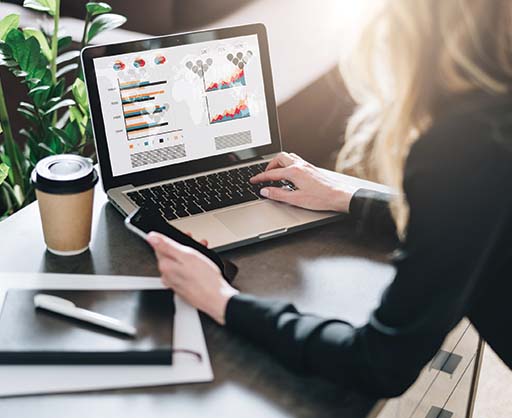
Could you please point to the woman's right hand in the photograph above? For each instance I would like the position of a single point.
(316, 189)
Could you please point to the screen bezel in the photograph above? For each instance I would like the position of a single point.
(190, 167)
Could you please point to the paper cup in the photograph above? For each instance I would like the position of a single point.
(65, 193)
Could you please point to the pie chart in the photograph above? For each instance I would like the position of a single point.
(159, 59)
(119, 65)
(139, 62)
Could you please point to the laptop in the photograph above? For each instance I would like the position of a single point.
(182, 122)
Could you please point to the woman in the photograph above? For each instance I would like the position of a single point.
(433, 84)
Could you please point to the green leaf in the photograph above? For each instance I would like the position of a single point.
(31, 81)
(4, 172)
(80, 94)
(38, 89)
(58, 89)
(28, 134)
(28, 106)
(62, 135)
(8, 23)
(60, 105)
(18, 193)
(40, 94)
(27, 53)
(74, 133)
(45, 147)
(66, 69)
(43, 42)
(6, 160)
(68, 56)
(19, 73)
(5, 51)
(94, 8)
(75, 115)
(103, 23)
(12, 196)
(28, 115)
(48, 6)
(64, 42)
(8, 63)
(52, 101)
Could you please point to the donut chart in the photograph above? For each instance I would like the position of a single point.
(159, 60)
(119, 65)
(139, 63)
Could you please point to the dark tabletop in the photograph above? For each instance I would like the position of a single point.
(331, 270)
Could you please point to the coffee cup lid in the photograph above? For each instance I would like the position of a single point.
(64, 174)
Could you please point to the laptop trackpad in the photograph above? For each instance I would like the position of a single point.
(256, 219)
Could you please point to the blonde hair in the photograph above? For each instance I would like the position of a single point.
(412, 58)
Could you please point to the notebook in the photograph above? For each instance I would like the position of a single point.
(35, 336)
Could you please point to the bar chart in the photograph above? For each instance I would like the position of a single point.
(145, 108)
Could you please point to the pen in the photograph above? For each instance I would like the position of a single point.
(67, 308)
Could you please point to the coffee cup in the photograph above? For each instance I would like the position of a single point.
(64, 187)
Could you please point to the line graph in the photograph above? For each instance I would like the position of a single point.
(218, 76)
(239, 111)
(236, 79)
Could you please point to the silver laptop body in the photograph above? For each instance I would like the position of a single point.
(178, 121)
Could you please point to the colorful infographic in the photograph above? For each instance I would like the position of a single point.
(239, 111)
(176, 104)
(145, 107)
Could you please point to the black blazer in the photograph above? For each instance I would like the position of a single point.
(455, 261)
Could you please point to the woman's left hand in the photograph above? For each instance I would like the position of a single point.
(192, 276)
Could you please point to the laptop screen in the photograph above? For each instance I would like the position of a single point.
(177, 104)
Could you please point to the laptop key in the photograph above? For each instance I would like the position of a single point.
(205, 193)
(136, 197)
(169, 214)
(193, 209)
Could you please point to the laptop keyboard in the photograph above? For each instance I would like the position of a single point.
(204, 193)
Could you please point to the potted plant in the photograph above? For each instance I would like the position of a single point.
(56, 111)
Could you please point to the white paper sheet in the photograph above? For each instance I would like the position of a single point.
(188, 333)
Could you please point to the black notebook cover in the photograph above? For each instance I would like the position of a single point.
(36, 336)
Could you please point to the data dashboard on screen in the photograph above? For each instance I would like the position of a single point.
(177, 104)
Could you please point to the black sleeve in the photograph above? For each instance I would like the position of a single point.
(434, 284)
(371, 209)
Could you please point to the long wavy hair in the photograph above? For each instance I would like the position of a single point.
(414, 57)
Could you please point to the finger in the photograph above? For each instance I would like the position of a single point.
(281, 194)
(282, 159)
(296, 157)
(202, 241)
(166, 246)
(273, 175)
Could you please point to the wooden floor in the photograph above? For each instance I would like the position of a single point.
(494, 396)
